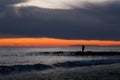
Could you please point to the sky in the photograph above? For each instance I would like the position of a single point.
(71, 20)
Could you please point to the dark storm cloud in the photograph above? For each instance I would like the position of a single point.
(5, 4)
(93, 22)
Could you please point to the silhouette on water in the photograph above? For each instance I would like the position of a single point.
(83, 48)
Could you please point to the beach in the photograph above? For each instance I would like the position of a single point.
(98, 72)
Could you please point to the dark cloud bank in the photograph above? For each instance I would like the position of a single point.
(93, 22)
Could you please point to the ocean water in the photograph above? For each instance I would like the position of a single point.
(33, 58)
(34, 55)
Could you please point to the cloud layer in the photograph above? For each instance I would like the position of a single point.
(94, 21)
(58, 4)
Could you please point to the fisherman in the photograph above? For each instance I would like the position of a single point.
(83, 48)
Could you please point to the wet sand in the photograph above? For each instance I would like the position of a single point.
(98, 72)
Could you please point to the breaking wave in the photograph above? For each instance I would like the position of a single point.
(68, 64)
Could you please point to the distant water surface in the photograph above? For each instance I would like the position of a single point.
(21, 56)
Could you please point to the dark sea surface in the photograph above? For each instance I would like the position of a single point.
(33, 58)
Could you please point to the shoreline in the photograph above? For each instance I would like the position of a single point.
(98, 72)
(6, 70)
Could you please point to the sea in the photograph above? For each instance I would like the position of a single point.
(15, 60)
(35, 55)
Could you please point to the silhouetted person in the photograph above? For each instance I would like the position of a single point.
(83, 48)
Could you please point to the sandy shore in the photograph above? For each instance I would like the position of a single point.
(99, 72)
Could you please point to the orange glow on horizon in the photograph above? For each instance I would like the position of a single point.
(12, 42)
